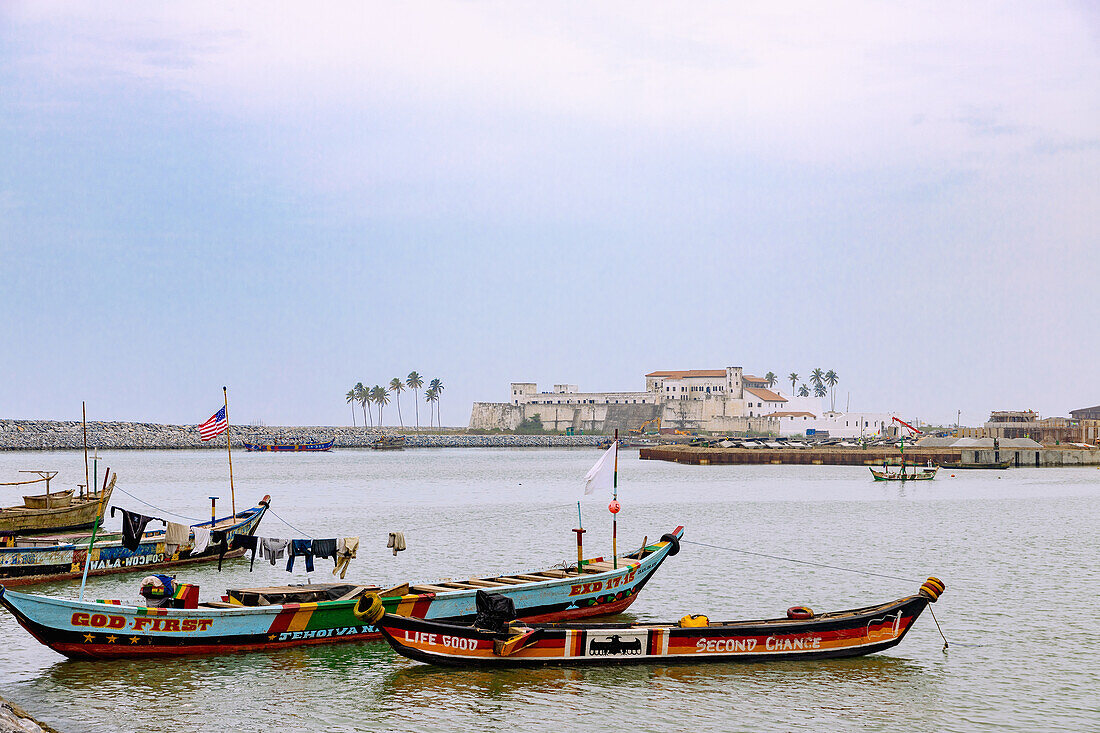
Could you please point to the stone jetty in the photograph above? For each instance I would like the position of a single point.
(69, 435)
(14, 719)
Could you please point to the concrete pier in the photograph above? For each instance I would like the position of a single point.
(831, 456)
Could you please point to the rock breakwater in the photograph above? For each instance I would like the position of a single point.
(69, 435)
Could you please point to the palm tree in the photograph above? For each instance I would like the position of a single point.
(430, 396)
(817, 378)
(437, 385)
(414, 382)
(363, 395)
(770, 379)
(803, 391)
(820, 390)
(793, 376)
(831, 378)
(397, 387)
(380, 396)
(352, 399)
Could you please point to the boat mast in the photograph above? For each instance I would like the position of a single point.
(229, 450)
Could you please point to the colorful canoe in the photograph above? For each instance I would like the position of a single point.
(59, 557)
(389, 442)
(293, 447)
(693, 640)
(999, 466)
(273, 618)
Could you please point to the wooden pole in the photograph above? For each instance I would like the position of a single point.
(579, 530)
(84, 420)
(229, 450)
(615, 517)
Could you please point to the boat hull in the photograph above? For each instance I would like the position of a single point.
(288, 447)
(841, 634)
(80, 513)
(1002, 465)
(924, 475)
(28, 565)
(90, 630)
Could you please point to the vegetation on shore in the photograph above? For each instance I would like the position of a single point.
(379, 396)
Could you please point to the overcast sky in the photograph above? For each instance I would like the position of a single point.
(290, 198)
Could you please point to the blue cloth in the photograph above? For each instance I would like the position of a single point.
(300, 548)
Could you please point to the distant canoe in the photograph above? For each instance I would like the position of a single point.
(294, 447)
(923, 474)
(389, 442)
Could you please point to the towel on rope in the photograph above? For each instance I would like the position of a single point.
(202, 540)
(397, 542)
(176, 536)
(248, 542)
(133, 527)
(345, 553)
(273, 548)
(300, 548)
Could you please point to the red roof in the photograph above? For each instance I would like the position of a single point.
(792, 414)
(766, 394)
(751, 378)
(718, 373)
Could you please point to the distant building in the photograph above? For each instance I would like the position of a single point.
(714, 400)
(1086, 413)
(1026, 424)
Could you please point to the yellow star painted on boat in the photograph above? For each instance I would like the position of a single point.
(271, 637)
(135, 639)
(89, 637)
(112, 639)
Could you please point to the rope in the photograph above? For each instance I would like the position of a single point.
(159, 509)
(306, 534)
(801, 562)
(938, 626)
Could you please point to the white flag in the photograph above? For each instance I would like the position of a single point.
(602, 475)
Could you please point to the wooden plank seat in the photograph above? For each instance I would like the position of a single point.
(430, 589)
(508, 580)
(485, 583)
(554, 574)
(600, 567)
(532, 578)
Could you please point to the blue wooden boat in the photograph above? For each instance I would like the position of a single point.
(43, 558)
(293, 447)
(272, 618)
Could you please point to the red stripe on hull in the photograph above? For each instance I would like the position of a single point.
(606, 609)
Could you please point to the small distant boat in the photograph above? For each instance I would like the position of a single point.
(962, 466)
(389, 442)
(903, 474)
(56, 511)
(252, 619)
(695, 639)
(38, 559)
(315, 446)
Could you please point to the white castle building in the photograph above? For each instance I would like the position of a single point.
(715, 400)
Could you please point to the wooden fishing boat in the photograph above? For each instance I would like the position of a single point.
(295, 447)
(27, 560)
(56, 511)
(802, 635)
(999, 466)
(272, 618)
(918, 474)
(389, 442)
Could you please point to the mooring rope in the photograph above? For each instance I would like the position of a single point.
(801, 562)
(159, 509)
(306, 534)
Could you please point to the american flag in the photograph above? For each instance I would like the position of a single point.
(215, 426)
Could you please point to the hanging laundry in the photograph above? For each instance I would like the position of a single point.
(248, 542)
(175, 536)
(345, 553)
(325, 548)
(300, 548)
(219, 542)
(202, 540)
(273, 548)
(133, 527)
(397, 542)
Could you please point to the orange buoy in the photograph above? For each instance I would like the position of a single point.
(614, 506)
(800, 612)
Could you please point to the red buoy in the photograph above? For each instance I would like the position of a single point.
(614, 506)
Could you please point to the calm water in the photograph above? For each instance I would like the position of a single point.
(1017, 549)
